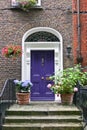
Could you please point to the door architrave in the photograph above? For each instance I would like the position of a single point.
(28, 46)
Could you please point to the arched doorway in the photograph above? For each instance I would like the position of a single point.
(42, 56)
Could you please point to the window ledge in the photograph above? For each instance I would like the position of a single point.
(19, 9)
(30, 8)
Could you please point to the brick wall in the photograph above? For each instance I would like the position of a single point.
(14, 23)
(83, 30)
(83, 5)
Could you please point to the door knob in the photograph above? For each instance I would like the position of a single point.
(42, 77)
(47, 78)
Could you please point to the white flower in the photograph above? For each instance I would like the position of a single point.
(75, 89)
(49, 86)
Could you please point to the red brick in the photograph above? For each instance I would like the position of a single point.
(83, 5)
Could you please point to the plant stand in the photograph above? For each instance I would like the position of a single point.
(23, 98)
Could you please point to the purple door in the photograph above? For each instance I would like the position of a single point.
(42, 66)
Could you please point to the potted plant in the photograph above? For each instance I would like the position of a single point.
(12, 51)
(65, 82)
(26, 4)
(23, 91)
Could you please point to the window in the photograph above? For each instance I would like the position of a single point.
(39, 2)
(42, 36)
(15, 3)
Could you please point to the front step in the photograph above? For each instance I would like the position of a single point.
(47, 116)
(38, 126)
(41, 119)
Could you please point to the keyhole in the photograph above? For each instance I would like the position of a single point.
(42, 61)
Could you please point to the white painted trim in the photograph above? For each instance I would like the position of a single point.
(46, 29)
(15, 3)
(28, 46)
(39, 3)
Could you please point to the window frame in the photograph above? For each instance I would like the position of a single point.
(39, 3)
(14, 3)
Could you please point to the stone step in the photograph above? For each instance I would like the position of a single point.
(42, 110)
(43, 126)
(35, 113)
(41, 119)
(42, 116)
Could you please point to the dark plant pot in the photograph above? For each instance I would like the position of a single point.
(67, 99)
(23, 98)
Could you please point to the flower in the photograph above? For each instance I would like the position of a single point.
(61, 89)
(65, 82)
(75, 89)
(23, 86)
(49, 86)
(26, 4)
(12, 51)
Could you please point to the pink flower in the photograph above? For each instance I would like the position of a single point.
(49, 86)
(4, 51)
(75, 89)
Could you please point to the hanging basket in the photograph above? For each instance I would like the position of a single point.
(67, 99)
(23, 98)
(12, 51)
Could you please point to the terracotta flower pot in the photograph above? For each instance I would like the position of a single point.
(67, 99)
(23, 98)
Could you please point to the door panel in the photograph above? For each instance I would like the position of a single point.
(42, 66)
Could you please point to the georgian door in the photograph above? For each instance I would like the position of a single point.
(42, 66)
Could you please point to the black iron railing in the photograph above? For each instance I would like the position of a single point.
(7, 97)
(80, 100)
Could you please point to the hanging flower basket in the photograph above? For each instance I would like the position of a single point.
(12, 51)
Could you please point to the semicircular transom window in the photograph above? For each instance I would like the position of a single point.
(42, 36)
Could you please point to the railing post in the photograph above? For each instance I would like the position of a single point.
(7, 97)
(0, 116)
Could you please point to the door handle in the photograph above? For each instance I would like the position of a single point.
(47, 78)
(42, 78)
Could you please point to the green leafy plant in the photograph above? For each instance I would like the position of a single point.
(66, 81)
(26, 4)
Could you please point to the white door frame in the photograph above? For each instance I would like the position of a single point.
(28, 46)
